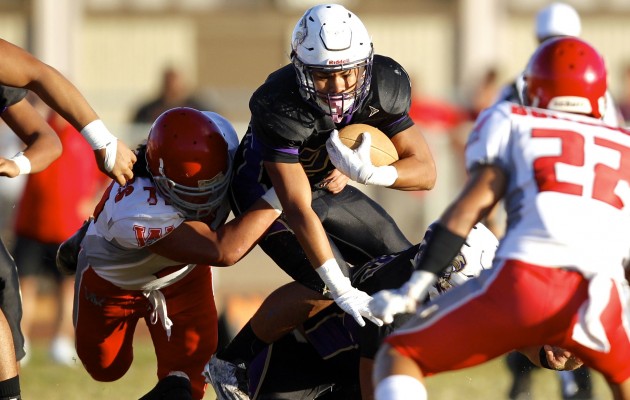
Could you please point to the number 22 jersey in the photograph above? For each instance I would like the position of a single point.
(568, 190)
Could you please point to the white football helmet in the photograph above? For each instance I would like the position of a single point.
(476, 255)
(329, 38)
(557, 19)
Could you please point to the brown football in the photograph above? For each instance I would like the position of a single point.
(382, 151)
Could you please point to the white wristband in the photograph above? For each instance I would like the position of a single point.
(22, 162)
(383, 176)
(335, 280)
(98, 136)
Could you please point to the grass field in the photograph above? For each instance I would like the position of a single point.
(41, 379)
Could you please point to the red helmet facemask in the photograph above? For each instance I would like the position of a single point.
(567, 74)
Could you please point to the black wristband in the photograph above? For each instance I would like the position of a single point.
(543, 358)
(442, 246)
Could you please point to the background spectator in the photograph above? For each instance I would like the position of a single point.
(174, 92)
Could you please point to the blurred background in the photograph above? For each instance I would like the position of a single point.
(212, 54)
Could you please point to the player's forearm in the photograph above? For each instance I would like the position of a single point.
(310, 233)
(415, 174)
(240, 235)
(62, 96)
(43, 144)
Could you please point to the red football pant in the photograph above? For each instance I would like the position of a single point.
(515, 305)
(106, 318)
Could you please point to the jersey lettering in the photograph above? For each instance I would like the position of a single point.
(609, 179)
(152, 200)
(147, 236)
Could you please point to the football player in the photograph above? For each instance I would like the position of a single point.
(320, 360)
(555, 20)
(563, 174)
(334, 79)
(19, 71)
(148, 250)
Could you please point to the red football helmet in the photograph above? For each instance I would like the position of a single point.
(567, 74)
(188, 158)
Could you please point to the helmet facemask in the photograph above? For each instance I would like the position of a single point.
(337, 105)
(193, 202)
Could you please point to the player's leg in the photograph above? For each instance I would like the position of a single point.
(397, 377)
(611, 361)
(621, 391)
(194, 334)
(105, 319)
(11, 339)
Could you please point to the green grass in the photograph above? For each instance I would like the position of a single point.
(42, 379)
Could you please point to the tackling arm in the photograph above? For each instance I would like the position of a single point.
(193, 242)
(483, 190)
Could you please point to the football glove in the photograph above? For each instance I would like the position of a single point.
(388, 303)
(350, 299)
(357, 164)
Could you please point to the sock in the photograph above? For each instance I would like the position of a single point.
(10, 389)
(243, 348)
(400, 387)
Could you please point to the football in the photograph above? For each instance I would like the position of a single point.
(382, 151)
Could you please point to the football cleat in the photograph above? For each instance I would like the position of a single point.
(228, 380)
(68, 251)
(176, 386)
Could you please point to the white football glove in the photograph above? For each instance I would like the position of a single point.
(350, 299)
(357, 164)
(356, 303)
(388, 303)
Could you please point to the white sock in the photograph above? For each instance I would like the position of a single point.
(400, 387)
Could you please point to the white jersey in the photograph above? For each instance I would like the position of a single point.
(132, 217)
(568, 188)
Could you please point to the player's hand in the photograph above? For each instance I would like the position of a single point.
(8, 168)
(356, 164)
(334, 182)
(355, 303)
(388, 303)
(121, 170)
(561, 359)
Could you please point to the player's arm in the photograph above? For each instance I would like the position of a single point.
(415, 165)
(21, 69)
(414, 170)
(482, 191)
(552, 357)
(293, 190)
(193, 242)
(42, 143)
